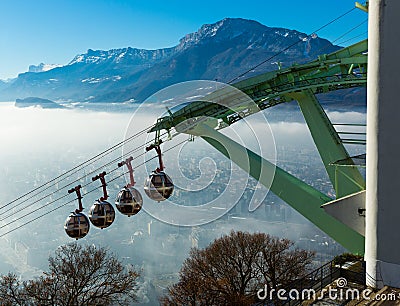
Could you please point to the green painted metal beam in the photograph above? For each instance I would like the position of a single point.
(329, 145)
(345, 68)
(328, 73)
(299, 195)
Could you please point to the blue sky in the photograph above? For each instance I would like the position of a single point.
(54, 31)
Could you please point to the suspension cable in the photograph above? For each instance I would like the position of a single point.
(76, 180)
(341, 36)
(290, 46)
(96, 157)
(352, 38)
(93, 159)
(88, 174)
(351, 30)
(116, 146)
(60, 206)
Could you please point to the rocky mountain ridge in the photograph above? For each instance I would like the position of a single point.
(219, 51)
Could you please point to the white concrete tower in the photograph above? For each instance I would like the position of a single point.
(382, 245)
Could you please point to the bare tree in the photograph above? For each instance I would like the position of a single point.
(280, 264)
(79, 275)
(234, 267)
(11, 292)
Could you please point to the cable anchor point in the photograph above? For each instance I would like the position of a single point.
(156, 147)
(77, 189)
(128, 163)
(101, 176)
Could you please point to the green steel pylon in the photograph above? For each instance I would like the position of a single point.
(346, 68)
(299, 195)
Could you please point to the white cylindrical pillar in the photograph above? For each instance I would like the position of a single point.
(382, 235)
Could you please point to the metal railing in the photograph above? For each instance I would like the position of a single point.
(317, 280)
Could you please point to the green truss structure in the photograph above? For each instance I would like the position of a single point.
(346, 68)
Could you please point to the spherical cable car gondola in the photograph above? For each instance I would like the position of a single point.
(102, 213)
(129, 201)
(158, 186)
(77, 224)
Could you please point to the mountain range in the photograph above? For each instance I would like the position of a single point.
(219, 51)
